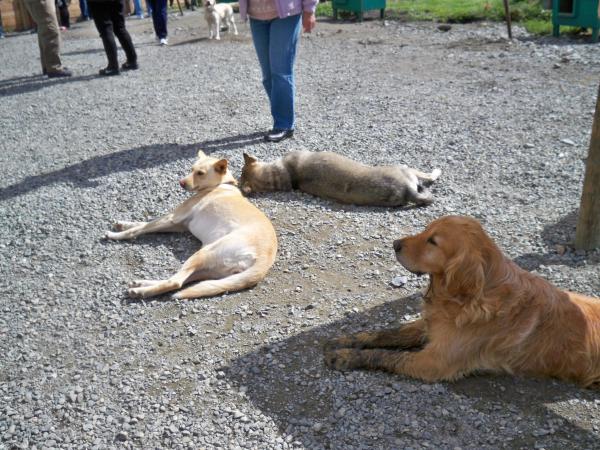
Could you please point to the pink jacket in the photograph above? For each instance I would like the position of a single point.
(285, 8)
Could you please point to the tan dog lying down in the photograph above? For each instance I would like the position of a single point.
(481, 312)
(327, 174)
(239, 242)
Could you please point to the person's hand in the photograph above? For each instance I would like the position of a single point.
(308, 21)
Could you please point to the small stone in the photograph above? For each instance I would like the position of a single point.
(121, 436)
(568, 141)
(399, 281)
(560, 249)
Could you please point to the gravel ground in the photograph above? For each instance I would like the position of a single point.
(83, 367)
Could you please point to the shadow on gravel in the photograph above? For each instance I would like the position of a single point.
(19, 80)
(88, 51)
(85, 173)
(288, 382)
(189, 41)
(35, 83)
(558, 238)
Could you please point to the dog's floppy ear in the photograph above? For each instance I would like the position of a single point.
(220, 166)
(464, 277)
(249, 159)
(201, 154)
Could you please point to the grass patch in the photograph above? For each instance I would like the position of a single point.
(528, 13)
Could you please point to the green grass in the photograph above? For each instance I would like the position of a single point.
(528, 13)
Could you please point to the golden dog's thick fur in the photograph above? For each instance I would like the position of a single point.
(481, 312)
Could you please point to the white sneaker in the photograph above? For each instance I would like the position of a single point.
(164, 41)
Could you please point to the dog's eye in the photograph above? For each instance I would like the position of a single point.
(431, 241)
(201, 172)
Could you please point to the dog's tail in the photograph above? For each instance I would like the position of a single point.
(238, 281)
(428, 178)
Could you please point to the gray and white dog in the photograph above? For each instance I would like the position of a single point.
(330, 175)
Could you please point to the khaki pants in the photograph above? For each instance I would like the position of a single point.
(23, 20)
(44, 15)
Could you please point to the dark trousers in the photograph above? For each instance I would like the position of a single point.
(63, 14)
(109, 17)
(159, 17)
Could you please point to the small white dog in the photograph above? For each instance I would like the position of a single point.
(215, 14)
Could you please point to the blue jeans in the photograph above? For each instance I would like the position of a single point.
(275, 42)
(159, 17)
(137, 8)
(84, 9)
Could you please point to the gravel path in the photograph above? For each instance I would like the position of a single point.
(82, 367)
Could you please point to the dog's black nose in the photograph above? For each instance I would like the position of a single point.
(397, 245)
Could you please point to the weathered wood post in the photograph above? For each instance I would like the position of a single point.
(507, 16)
(587, 235)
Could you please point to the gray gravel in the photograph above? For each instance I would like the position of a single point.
(83, 367)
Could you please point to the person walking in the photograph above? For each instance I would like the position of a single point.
(85, 13)
(43, 13)
(275, 27)
(137, 9)
(109, 18)
(63, 14)
(159, 19)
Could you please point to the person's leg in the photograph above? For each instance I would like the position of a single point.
(67, 16)
(101, 13)
(282, 53)
(161, 22)
(137, 8)
(84, 10)
(64, 15)
(159, 17)
(44, 15)
(118, 21)
(261, 30)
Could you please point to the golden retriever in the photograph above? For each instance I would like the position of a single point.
(481, 313)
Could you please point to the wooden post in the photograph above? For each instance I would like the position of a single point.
(587, 235)
(507, 15)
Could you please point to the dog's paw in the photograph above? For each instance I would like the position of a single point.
(341, 342)
(141, 283)
(111, 235)
(343, 359)
(137, 292)
(119, 226)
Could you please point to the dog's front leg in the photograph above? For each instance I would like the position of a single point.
(130, 230)
(427, 364)
(407, 336)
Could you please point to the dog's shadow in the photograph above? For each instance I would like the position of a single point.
(180, 245)
(558, 238)
(284, 197)
(87, 173)
(288, 382)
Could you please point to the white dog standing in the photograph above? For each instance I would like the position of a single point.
(215, 14)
